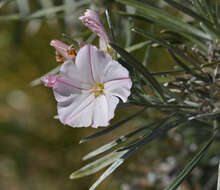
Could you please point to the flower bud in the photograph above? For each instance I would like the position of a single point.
(92, 21)
(64, 52)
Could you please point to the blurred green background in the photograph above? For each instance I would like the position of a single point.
(36, 151)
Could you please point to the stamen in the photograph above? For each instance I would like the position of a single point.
(59, 58)
(71, 51)
(98, 89)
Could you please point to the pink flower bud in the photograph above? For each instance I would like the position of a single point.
(49, 80)
(64, 51)
(92, 21)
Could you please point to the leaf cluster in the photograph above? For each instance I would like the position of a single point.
(193, 46)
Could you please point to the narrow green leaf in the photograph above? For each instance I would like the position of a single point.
(148, 51)
(124, 138)
(172, 49)
(131, 60)
(206, 115)
(214, 18)
(103, 148)
(189, 167)
(190, 37)
(51, 18)
(208, 8)
(111, 169)
(128, 152)
(138, 46)
(137, 16)
(91, 38)
(164, 44)
(45, 12)
(155, 133)
(97, 165)
(213, 34)
(147, 56)
(117, 141)
(149, 130)
(168, 72)
(199, 8)
(168, 19)
(181, 64)
(187, 11)
(107, 130)
(175, 71)
(4, 2)
(110, 25)
(10, 17)
(217, 10)
(71, 40)
(168, 107)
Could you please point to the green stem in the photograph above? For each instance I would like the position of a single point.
(182, 70)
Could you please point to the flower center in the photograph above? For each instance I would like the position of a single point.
(71, 52)
(98, 89)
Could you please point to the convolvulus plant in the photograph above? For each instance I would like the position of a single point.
(91, 81)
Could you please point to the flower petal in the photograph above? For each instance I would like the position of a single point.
(84, 65)
(99, 61)
(115, 71)
(100, 114)
(60, 47)
(77, 110)
(64, 87)
(117, 81)
(92, 63)
(120, 88)
(80, 75)
(112, 103)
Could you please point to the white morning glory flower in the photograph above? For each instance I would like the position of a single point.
(88, 91)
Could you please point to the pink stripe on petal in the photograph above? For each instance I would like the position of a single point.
(118, 79)
(83, 69)
(72, 85)
(99, 62)
(114, 71)
(90, 62)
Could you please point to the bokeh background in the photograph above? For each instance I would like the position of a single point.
(37, 152)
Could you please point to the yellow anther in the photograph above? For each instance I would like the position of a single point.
(98, 89)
